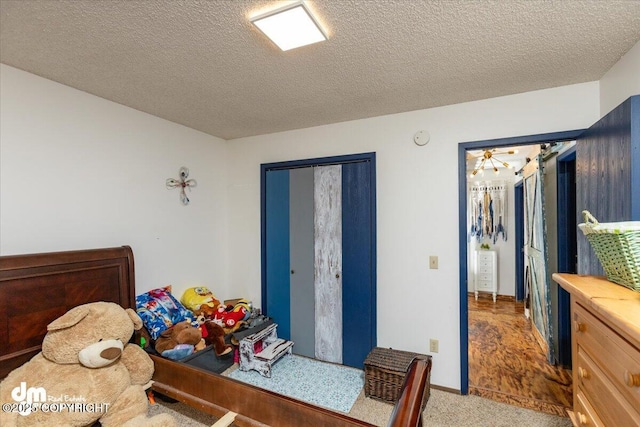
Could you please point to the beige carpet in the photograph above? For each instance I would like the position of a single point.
(444, 409)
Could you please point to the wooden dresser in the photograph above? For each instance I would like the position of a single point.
(605, 350)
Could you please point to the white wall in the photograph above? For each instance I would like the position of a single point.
(417, 203)
(77, 171)
(621, 81)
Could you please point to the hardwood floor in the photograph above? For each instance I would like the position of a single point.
(507, 365)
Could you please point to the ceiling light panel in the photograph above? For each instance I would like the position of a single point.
(290, 27)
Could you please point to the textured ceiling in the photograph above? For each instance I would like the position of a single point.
(202, 64)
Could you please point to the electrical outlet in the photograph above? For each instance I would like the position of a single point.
(433, 345)
(433, 262)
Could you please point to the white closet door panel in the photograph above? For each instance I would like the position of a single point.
(328, 262)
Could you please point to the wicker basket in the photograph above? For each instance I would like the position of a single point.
(384, 371)
(617, 246)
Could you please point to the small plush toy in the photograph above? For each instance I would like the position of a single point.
(228, 316)
(87, 364)
(179, 341)
(215, 337)
(207, 311)
(244, 306)
(204, 329)
(193, 298)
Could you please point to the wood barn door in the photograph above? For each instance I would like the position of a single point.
(536, 259)
(318, 260)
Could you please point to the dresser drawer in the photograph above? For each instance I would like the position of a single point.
(613, 354)
(484, 285)
(485, 269)
(483, 277)
(585, 415)
(601, 396)
(485, 257)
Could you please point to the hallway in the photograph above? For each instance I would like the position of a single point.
(505, 362)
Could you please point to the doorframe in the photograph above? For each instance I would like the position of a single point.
(518, 199)
(463, 147)
(564, 259)
(323, 161)
(564, 263)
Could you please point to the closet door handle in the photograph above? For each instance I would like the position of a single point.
(337, 275)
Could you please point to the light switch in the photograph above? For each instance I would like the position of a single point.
(433, 262)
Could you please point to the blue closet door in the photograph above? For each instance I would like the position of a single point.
(280, 287)
(276, 240)
(358, 292)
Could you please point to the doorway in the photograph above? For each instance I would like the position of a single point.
(318, 226)
(463, 244)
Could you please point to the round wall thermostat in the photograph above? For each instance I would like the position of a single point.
(421, 137)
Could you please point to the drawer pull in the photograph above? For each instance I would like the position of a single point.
(632, 380)
(583, 373)
(582, 419)
(579, 327)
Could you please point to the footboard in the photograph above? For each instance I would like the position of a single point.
(216, 394)
(408, 410)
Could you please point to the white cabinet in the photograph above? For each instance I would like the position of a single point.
(486, 273)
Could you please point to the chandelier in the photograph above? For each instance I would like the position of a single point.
(489, 159)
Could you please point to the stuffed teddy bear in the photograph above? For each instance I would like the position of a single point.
(215, 336)
(179, 341)
(86, 372)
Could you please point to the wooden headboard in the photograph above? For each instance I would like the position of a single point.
(36, 289)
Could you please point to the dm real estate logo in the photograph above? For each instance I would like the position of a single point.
(28, 398)
(35, 399)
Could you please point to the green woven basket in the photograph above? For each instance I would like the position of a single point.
(617, 246)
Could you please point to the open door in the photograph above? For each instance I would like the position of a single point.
(519, 237)
(536, 258)
(567, 247)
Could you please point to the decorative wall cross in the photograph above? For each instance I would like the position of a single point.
(182, 183)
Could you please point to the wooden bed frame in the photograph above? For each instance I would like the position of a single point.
(36, 289)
